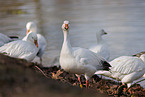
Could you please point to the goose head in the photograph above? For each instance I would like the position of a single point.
(102, 32)
(31, 26)
(65, 25)
(99, 35)
(32, 37)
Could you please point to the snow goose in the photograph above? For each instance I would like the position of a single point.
(79, 60)
(125, 69)
(101, 46)
(31, 26)
(22, 49)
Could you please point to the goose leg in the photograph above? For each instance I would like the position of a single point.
(87, 78)
(79, 79)
(86, 83)
(128, 85)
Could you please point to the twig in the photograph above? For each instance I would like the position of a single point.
(41, 71)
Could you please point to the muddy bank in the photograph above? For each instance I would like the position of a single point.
(19, 78)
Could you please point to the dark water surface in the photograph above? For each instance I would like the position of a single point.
(124, 20)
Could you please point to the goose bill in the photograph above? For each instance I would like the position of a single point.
(66, 26)
(36, 43)
(27, 32)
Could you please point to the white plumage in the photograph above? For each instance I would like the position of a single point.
(22, 49)
(125, 69)
(31, 26)
(101, 46)
(79, 60)
(142, 56)
(4, 39)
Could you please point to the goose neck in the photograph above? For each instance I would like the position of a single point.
(66, 43)
(99, 38)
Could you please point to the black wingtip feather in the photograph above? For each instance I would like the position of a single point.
(106, 65)
(139, 54)
(14, 37)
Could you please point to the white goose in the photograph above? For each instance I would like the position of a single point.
(4, 39)
(22, 49)
(125, 69)
(79, 60)
(31, 26)
(101, 47)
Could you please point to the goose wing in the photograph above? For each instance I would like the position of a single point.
(87, 57)
(127, 65)
(19, 49)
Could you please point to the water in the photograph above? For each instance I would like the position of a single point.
(122, 19)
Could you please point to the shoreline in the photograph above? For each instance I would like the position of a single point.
(20, 78)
